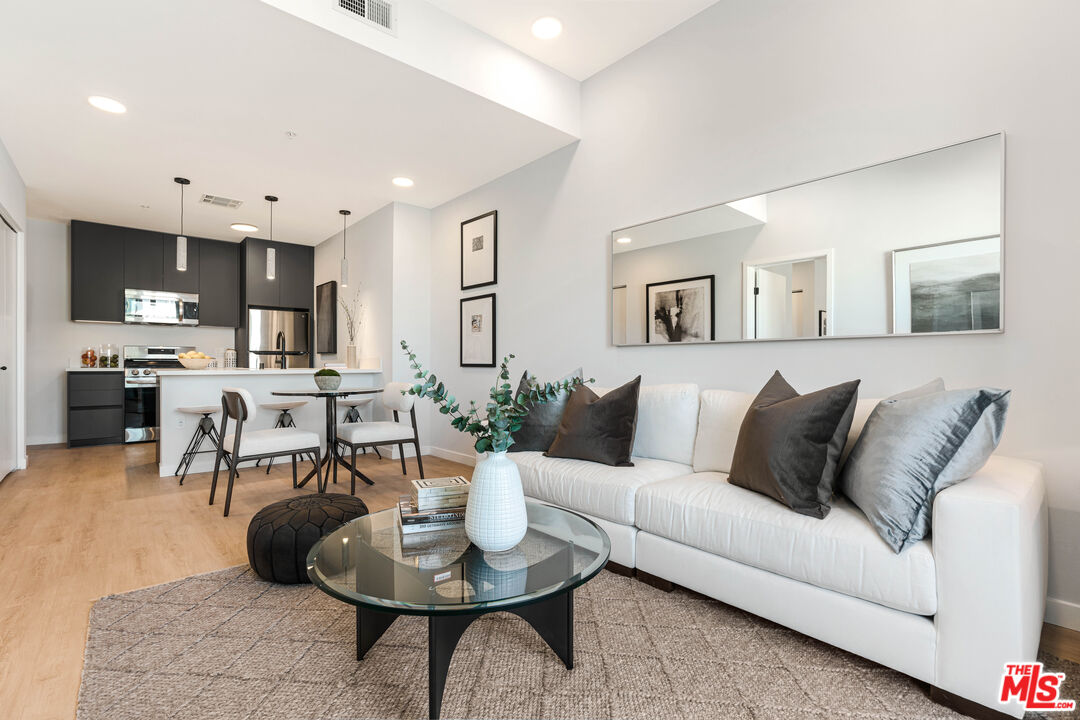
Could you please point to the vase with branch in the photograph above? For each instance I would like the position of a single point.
(354, 318)
(495, 517)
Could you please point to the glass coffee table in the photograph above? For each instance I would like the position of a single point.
(369, 563)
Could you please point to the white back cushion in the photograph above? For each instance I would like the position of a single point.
(863, 408)
(721, 416)
(249, 401)
(666, 421)
(393, 399)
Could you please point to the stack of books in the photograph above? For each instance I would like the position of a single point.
(435, 504)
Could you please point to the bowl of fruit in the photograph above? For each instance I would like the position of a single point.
(195, 360)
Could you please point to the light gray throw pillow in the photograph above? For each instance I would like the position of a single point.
(915, 445)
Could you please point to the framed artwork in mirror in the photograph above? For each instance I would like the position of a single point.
(680, 311)
(326, 318)
(480, 251)
(477, 318)
(948, 287)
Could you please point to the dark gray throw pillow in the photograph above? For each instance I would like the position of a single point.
(789, 444)
(599, 429)
(915, 445)
(541, 425)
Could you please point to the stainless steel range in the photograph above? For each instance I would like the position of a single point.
(141, 363)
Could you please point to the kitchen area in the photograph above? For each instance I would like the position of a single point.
(174, 319)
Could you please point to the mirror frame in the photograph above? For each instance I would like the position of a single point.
(1001, 226)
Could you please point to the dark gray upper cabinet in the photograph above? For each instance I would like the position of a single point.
(173, 280)
(219, 283)
(97, 272)
(143, 257)
(258, 289)
(297, 264)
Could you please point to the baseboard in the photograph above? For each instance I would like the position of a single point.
(458, 457)
(1063, 613)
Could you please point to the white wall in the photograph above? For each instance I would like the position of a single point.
(55, 343)
(389, 263)
(822, 88)
(12, 191)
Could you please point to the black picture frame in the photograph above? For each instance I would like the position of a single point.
(326, 318)
(822, 323)
(712, 304)
(461, 331)
(494, 215)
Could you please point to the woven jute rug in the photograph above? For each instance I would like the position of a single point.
(228, 645)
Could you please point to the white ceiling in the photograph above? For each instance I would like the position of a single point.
(211, 89)
(595, 33)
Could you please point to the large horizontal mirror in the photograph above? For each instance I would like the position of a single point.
(911, 246)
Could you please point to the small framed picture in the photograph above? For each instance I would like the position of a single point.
(480, 251)
(478, 331)
(326, 318)
(680, 311)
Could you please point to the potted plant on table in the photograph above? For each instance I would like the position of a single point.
(495, 517)
(328, 379)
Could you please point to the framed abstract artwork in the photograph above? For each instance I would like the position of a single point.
(480, 251)
(948, 287)
(478, 331)
(326, 318)
(680, 311)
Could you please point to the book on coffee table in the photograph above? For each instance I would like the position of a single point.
(438, 493)
(413, 520)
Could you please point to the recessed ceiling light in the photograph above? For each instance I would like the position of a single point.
(107, 104)
(547, 28)
(403, 182)
(623, 240)
(244, 227)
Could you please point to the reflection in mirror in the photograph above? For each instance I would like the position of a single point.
(906, 247)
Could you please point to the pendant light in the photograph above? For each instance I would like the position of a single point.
(271, 254)
(344, 250)
(181, 239)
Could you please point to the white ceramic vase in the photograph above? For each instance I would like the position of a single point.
(350, 357)
(495, 516)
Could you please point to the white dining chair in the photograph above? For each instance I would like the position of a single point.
(238, 405)
(372, 434)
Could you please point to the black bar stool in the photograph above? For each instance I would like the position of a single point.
(205, 429)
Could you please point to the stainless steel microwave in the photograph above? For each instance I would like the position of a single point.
(154, 307)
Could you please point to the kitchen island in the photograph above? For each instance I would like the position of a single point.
(185, 388)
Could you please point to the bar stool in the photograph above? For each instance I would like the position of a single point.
(205, 429)
(284, 419)
(352, 415)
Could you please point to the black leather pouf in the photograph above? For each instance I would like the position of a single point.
(280, 535)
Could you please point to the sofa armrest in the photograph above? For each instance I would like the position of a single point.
(990, 551)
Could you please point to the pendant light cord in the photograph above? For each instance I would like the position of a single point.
(181, 209)
(344, 230)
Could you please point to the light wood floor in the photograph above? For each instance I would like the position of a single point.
(83, 523)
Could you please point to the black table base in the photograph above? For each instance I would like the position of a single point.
(552, 618)
(333, 457)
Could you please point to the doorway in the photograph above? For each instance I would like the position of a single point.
(8, 411)
(788, 297)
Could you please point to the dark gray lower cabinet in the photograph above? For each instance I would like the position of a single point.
(95, 407)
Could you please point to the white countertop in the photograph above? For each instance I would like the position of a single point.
(256, 373)
(102, 370)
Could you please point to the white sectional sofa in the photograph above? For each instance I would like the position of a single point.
(949, 611)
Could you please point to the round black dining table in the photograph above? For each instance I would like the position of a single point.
(331, 458)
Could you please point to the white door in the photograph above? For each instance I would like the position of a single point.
(771, 305)
(7, 349)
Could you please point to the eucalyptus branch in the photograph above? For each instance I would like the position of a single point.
(504, 413)
(354, 315)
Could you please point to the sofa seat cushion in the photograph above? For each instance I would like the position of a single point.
(601, 490)
(840, 552)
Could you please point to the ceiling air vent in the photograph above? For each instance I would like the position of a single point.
(379, 13)
(219, 201)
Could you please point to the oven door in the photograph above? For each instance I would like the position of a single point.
(140, 411)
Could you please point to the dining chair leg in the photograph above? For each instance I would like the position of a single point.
(217, 467)
(228, 490)
(294, 470)
(419, 461)
(320, 483)
(352, 491)
(401, 453)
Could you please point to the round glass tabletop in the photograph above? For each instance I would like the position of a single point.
(370, 562)
(340, 392)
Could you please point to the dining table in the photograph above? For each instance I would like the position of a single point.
(332, 457)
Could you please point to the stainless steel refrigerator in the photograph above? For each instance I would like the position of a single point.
(278, 339)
